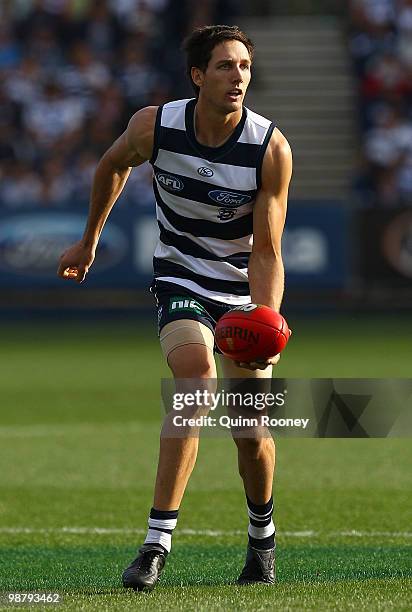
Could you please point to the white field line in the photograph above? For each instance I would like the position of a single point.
(200, 532)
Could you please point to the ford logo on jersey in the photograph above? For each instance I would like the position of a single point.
(170, 182)
(228, 198)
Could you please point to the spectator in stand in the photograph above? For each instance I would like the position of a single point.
(32, 16)
(42, 43)
(388, 151)
(372, 31)
(24, 84)
(53, 116)
(57, 184)
(373, 13)
(97, 135)
(404, 28)
(10, 53)
(7, 147)
(20, 186)
(9, 111)
(385, 81)
(137, 76)
(140, 16)
(404, 183)
(102, 31)
(386, 77)
(83, 171)
(381, 45)
(111, 107)
(84, 77)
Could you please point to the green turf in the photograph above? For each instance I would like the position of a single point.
(209, 570)
(79, 424)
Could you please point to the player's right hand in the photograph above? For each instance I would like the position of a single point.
(75, 262)
(258, 364)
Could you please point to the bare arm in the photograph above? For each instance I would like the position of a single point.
(266, 274)
(131, 149)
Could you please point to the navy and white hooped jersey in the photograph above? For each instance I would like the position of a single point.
(204, 202)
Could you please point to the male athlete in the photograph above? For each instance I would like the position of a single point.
(221, 174)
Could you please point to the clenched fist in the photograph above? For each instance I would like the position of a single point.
(75, 262)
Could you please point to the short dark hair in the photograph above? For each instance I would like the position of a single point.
(201, 42)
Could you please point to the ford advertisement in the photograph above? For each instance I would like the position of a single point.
(316, 247)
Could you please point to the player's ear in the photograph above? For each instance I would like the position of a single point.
(197, 76)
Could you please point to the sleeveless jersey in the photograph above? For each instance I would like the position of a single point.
(204, 202)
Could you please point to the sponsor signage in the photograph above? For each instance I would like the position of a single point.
(169, 181)
(32, 242)
(385, 246)
(229, 198)
(316, 246)
(204, 171)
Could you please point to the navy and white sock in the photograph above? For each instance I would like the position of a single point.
(161, 525)
(261, 528)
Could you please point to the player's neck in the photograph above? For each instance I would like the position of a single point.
(213, 129)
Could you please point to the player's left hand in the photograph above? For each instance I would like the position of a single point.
(259, 364)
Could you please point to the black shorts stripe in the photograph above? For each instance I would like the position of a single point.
(164, 267)
(177, 141)
(229, 230)
(198, 191)
(188, 247)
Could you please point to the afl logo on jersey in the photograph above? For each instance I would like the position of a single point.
(228, 198)
(203, 171)
(170, 182)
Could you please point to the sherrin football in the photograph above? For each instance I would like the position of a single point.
(251, 332)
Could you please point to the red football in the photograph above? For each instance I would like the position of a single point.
(251, 332)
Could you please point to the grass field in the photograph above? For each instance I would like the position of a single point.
(79, 422)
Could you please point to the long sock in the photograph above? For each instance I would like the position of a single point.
(161, 525)
(261, 528)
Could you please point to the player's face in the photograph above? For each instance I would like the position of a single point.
(227, 76)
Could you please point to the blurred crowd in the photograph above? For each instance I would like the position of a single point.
(381, 47)
(72, 72)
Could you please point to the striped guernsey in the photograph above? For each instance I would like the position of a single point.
(204, 202)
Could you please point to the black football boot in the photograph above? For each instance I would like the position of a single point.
(144, 572)
(259, 567)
